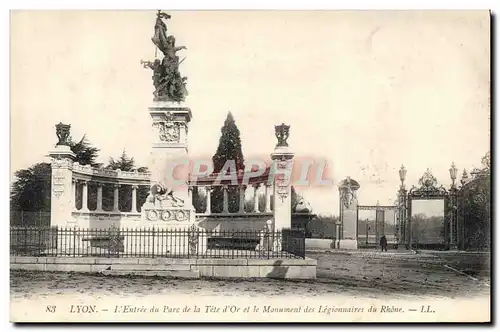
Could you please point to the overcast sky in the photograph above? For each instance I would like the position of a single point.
(367, 91)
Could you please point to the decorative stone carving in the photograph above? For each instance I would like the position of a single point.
(152, 215)
(168, 131)
(62, 132)
(282, 132)
(58, 182)
(181, 216)
(61, 163)
(347, 190)
(282, 186)
(347, 196)
(166, 215)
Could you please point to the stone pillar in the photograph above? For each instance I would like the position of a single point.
(225, 208)
(134, 199)
(268, 199)
(169, 166)
(170, 145)
(85, 197)
(208, 198)
(99, 197)
(62, 194)
(256, 198)
(115, 198)
(281, 173)
(242, 199)
(348, 214)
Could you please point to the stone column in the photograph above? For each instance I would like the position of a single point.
(85, 196)
(73, 193)
(281, 172)
(242, 199)
(348, 214)
(99, 197)
(256, 198)
(225, 200)
(268, 199)
(208, 191)
(62, 195)
(115, 198)
(134, 199)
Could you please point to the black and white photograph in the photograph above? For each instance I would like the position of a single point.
(250, 166)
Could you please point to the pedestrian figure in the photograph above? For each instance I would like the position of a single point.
(383, 243)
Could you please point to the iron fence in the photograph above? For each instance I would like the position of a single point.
(151, 242)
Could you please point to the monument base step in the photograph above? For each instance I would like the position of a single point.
(156, 273)
(132, 267)
(348, 244)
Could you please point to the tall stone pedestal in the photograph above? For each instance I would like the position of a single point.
(62, 195)
(282, 200)
(348, 214)
(169, 167)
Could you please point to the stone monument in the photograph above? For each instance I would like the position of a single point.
(282, 166)
(62, 195)
(347, 232)
(168, 203)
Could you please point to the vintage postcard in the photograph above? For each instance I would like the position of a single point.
(250, 166)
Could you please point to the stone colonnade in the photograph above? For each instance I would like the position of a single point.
(83, 187)
(116, 187)
(242, 189)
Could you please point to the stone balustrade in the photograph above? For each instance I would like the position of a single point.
(82, 176)
(255, 189)
(109, 175)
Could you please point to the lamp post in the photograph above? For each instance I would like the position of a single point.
(402, 206)
(402, 176)
(453, 174)
(453, 206)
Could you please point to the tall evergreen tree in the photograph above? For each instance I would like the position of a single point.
(229, 149)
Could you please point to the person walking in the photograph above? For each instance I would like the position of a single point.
(383, 243)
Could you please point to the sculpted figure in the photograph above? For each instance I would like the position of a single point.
(168, 82)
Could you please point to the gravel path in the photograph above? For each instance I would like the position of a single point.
(356, 274)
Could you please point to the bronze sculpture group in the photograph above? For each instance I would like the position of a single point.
(168, 82)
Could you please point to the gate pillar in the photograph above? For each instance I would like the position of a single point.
(348, 214)
(62, 195)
